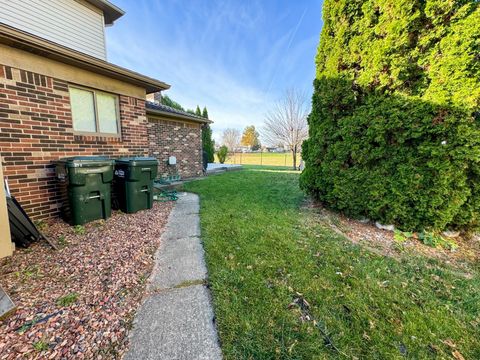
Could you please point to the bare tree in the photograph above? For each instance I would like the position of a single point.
(231, 138)
(286, 122)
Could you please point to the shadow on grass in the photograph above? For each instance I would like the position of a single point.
(265, 256)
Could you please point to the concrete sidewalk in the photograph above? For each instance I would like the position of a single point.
(214, 168)
(176, 319)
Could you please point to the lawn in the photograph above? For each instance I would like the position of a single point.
(287, 287)
(271, 159)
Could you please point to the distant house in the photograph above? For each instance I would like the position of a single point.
(275, 149)
(60, 97)
(244, 149)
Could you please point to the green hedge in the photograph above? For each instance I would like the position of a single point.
(395, 121)
(208, 145)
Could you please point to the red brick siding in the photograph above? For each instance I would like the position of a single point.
(36, 128)
(175, 138)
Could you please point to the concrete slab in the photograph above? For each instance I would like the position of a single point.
(181, 226)
(186, 207)
(176, 324)
(179, 262)
(176, 320)
(214, 168)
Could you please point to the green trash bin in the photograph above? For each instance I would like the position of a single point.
(85, 183)
(134, 183)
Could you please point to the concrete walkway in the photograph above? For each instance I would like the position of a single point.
(176, 320)
(215, 168)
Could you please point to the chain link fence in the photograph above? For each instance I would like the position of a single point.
(262, 158)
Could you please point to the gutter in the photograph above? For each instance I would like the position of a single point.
(166, 114)
(111, 12)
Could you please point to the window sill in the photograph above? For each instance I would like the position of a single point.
(84, 136)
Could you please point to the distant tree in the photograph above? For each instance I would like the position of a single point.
(205, 112)
(198, 112)
(190, 111)
(173, 104)
(286, 123)
(250, 138)
(208, 144)
(222, 154)
(231, 138)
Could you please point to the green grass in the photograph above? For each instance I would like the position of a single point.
(269, 159)
(67, 300)
(40, 345)
(286, 287)
(79, 230)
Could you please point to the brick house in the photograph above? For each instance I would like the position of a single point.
(59, 97)
(175, 133)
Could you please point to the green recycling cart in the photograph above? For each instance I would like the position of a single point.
(85, 183)
(134, 182)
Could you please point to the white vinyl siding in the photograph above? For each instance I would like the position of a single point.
(65, 22)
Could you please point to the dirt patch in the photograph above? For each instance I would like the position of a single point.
(383, 241)
(79, 302)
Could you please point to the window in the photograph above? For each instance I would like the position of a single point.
(94, 111)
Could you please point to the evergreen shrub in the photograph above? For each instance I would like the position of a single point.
(394, 132)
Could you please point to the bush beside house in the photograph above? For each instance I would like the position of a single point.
(222, 154)
(208, 144)
(395, 121)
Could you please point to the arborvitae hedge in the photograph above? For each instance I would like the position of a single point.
(208, 144)
(395, 121)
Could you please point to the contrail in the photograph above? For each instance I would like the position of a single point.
(288, 48)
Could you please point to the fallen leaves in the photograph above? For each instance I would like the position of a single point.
(79, 302)
(456, 354)
(394, 244)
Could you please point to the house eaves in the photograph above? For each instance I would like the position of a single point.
(111, 12)
(168, 112)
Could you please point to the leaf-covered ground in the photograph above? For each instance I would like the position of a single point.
(285, 286)
(78, 302)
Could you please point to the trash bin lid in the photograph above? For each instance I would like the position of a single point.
(85, 161)
(138, 161)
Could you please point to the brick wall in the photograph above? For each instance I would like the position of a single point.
(175, 138)
(36, 128)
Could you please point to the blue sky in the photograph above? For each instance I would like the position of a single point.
(236, 57)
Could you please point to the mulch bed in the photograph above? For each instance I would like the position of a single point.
(383, 242)
(79, 302)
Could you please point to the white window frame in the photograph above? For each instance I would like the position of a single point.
(97, 131)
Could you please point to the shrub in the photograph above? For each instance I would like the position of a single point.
(40, 345)
(79, 230)
(67, 300)
(222, 154)
(208, 143)
(394, 132)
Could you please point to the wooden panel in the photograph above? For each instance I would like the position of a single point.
(6, 246)
(65, 22)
